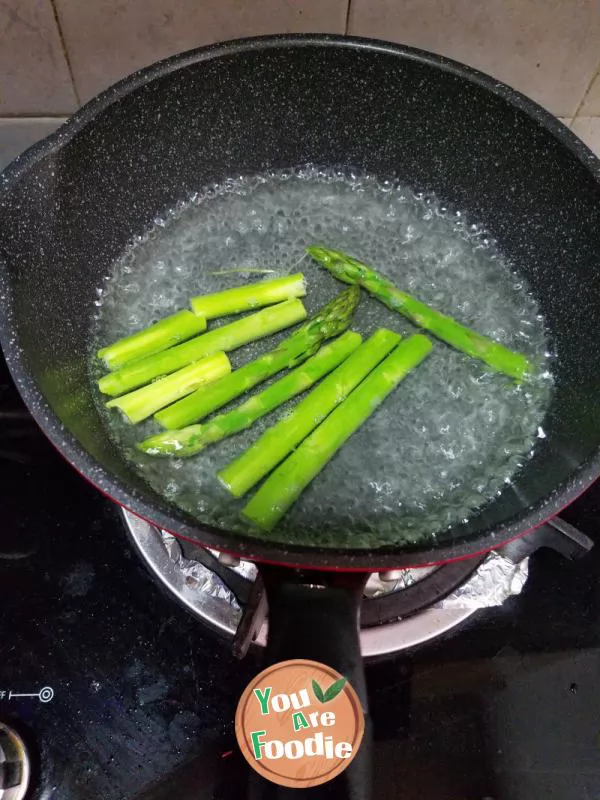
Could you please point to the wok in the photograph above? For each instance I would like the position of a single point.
(69, 205)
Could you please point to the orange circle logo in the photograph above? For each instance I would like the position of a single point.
(299, 723)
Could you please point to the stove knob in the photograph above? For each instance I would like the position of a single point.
(14, 765)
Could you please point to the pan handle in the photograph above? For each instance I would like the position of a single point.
(315, 615)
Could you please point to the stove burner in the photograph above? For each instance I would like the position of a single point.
(14, 765)
(400, 610)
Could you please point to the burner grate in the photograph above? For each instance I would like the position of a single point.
(228, 598)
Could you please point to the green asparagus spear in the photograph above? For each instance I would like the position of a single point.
(142, 403)
(247, 298)
(191, 440)
(277, 442)
(331, 320)
(289, 480)
(229, 337)
(474, 344)
(163, 334)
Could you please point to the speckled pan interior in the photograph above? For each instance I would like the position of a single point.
(69, 206)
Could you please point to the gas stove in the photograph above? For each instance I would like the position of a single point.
(401, 608)
(123, 653)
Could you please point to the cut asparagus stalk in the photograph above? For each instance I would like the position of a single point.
(142, 403)
(246, 298)
(289, 480)
(160, 336)
(474, 344)
(331, 320)
(277, 442)
(191, 440)
(229, 337)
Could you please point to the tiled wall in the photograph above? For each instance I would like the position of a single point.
(56, 54)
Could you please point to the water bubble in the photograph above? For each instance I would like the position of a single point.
(446, 260)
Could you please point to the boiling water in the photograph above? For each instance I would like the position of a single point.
(449, 437)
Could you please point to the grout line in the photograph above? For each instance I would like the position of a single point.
(347, 25)
(595, 74)
(65, 51)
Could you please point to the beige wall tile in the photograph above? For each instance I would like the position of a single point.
(588, 129)
(591, 102)
(34, 77)
(17, 135)
(108, 39)
(547, 49)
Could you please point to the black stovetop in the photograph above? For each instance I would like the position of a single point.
(507, 707)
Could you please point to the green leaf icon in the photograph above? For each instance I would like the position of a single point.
(334, 690)
(329, 694)
(318, 692)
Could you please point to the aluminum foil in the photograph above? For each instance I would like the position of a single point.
(497, 579)
(201, 579)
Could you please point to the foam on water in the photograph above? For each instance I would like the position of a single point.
(449, 437)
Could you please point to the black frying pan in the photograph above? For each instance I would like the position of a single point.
(70, 204)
